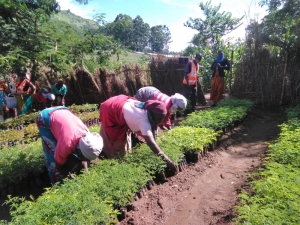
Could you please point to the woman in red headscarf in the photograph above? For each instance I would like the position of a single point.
(121, 115)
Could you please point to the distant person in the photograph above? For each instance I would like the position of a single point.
(173, 102)
(60, 91)
(190, 80)
(218, 77)
(45, 98)
(3, 94)
(67, 143)
(120, 115)
(24, 91)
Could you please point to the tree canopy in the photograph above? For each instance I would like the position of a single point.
(214, 25)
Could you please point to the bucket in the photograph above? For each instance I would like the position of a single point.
(11, 101)
(12, 87)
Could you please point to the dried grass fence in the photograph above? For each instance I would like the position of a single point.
(267, 80)
(164, 73)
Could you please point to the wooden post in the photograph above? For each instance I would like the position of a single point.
(284, 78)
(230, 77)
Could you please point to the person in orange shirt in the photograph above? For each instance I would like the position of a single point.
(24, 90)
(190, 80)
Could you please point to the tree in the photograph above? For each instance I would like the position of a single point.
(214, 25)
(281, 27)
(141, 34)
(121, 29)
(19, 22)
(159, 38)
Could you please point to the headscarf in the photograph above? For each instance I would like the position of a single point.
(156, 106)
(91, 145)
(219, 59)
(178, 101)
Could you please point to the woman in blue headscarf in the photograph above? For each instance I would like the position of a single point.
(218, 77)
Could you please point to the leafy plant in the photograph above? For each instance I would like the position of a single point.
(274, 195)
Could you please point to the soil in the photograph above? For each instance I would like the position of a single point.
(207, 191)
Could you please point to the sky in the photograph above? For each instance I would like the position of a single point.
(172, 13)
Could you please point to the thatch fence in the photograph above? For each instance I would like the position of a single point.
(267, 80)
(164, 73)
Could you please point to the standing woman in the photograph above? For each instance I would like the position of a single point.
(67, 143)
(218, 77)
(24, 90)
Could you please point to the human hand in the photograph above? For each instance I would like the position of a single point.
(171, 165)
(71, 176)
(169, 127)
(84, 165)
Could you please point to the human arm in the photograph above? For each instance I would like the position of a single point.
(64, 90)
(213, 66)
(53, 89)
(72, 165)
(32, 88)
(225, 64)
(156, 149)
(187, 70)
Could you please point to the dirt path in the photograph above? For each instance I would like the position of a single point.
(204, 193)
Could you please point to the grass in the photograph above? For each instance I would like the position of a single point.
(128, 57)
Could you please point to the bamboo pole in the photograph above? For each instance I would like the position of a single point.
(283, 78)
(230, 77)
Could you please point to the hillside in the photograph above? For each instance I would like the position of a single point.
(78, 24)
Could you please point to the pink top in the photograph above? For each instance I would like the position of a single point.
(168, 101)
(67, 130)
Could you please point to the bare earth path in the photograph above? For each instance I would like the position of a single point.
(205, 193)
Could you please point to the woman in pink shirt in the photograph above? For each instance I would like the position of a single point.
(173, 102)
(67, 143)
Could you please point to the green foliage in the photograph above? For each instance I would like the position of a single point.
(80, 205)
(141, 31)
(120, 181)
(20, 22)
(144, 156)
(14, 122)
(160, 37)
(279, 29)
(76, 23)
(19, 161)
(227, 112)
(95, 128)
(214, 25)
(274, 197)
(188, 139)
(88, 199)
(121, 29)
(10, 135)
(208, 41)
(83, 108)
